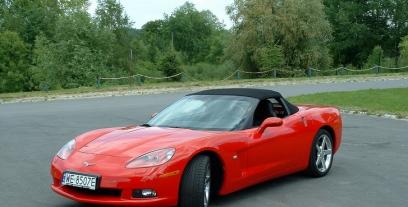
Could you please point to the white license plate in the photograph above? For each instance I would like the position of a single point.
(80, 180)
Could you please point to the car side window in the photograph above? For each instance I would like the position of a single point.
(263, 111)
(279, 107)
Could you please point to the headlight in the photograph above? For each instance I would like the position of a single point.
(66, 150)
(151, 159)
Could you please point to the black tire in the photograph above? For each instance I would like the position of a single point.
(192, 189)
(313, 169)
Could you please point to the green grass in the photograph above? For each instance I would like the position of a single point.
(164, 85)
(373, 101)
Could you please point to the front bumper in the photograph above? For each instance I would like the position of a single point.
(110, 200)
(117, 182)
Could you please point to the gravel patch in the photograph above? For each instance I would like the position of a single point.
(382, 115)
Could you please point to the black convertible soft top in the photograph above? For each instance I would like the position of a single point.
(261, 94)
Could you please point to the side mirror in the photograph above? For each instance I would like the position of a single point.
(153, 115)
(269, 122)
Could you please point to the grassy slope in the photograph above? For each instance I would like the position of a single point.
(393, 101)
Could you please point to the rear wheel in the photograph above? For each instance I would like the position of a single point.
(195, 188)
(321, 156)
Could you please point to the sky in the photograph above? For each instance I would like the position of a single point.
(143, 11)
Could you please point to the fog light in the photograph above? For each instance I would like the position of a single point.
(144, 193)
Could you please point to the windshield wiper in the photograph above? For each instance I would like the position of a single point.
(146, 125)
(174, 127)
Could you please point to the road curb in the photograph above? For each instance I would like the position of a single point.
(142, 91)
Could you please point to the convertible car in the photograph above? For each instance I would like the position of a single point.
(209, 143)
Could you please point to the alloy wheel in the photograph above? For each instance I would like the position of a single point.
(324, 153)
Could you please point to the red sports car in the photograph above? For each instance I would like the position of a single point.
(213, 142)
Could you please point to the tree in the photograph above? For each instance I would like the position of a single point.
(155, 34)
(3, 13)
(192, 31)
(156, 38)
(359, 26)
(299, 27)
(78, 55)
(111, 16)
(73, 6)
(44, 64)
(218, 43)
(13, 63)
(396, 12)
(30, 18)
(197, 35)
(269, 57)
(404, 51)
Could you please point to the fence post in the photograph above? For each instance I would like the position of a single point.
(238, 74)
(98, 82)
(138, 81)
(378, 69)
(309, 72)
(274, 73)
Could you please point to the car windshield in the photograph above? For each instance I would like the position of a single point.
(207, 112)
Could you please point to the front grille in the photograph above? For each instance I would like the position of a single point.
(97, 192)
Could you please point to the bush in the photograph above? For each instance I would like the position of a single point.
(376, 57)
(170, 65)
(206, 71)
(148, 69)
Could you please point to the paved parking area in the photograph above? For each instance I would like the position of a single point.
(371, 168)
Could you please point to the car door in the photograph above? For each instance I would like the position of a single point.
(277, 151)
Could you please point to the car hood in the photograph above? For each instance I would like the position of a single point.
(140, 140)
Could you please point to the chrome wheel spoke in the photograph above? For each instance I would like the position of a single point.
(327, 152)
(207, 186)
(323, 162)
(319, 159)
(323, 142)
(318, 148)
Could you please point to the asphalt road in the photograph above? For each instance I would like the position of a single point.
(371, 169)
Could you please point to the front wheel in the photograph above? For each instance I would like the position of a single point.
(195, 187)
(321, 156)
